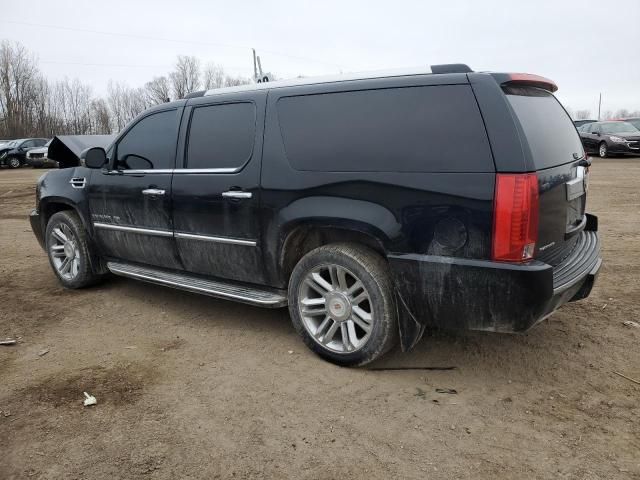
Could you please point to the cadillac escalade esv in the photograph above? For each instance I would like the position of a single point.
(372, 205)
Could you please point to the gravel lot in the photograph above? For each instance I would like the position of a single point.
(194, 387)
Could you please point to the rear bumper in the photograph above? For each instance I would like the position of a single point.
(493, 296)
(36, 226)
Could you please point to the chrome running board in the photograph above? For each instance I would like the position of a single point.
(191, 283)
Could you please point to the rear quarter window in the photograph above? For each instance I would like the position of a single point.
(412, 129)
(550, 133)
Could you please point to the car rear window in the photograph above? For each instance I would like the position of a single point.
(550, 133)
(413, 129)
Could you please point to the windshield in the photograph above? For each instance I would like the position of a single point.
(618, 127)
(635, 122)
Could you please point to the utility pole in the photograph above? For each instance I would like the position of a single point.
(259, 67)
(599, 105)
(255, 66)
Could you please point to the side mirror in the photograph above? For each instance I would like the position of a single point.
(94, 157)
(595, 133)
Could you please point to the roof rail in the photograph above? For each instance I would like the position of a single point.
(451, 68)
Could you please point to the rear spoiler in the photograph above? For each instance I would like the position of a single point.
(525, 80)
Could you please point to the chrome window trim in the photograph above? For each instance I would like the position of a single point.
(208, 238)
(177, 171)
(144, 231)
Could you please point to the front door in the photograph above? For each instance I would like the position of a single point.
(130, 201)
(216, 194)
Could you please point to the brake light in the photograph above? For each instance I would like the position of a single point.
(515, 217)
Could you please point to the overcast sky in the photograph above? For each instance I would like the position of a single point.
(586, 46)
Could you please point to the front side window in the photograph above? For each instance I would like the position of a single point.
(27, 144)
(221, 136)
(150, 144)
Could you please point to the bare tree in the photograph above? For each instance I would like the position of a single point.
(622, 113)
(214, 76)
(185, 78)
(230, 81)
(18, 72)
(100, 117)
(31, 105)
(583, 114)
(157, 90)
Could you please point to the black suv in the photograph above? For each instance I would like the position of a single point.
(14, 153)
(373, 206)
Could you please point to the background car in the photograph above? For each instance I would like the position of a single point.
(610, 138)
(579, 123)
(38, 158)
(14, 154)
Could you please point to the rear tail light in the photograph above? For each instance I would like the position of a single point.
(515, 217)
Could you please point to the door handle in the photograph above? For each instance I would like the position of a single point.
(237, 194)
(153, 192)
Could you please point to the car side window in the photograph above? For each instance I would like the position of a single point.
(150, 144)
(594, 128)
(221, 136)
(27, 144)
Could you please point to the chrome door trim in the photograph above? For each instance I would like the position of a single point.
(143, 231)
(177, 171)
(208, 238)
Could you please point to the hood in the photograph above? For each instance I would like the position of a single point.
(39, 150)
(66, 149)
(627, 135)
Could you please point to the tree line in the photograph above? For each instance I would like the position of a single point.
(33, 106)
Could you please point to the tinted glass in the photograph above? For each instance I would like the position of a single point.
(221, 136)
(635, 122)
(150, 144)
(27, 144)
(618, 127)
(415, 129)
(550, 132)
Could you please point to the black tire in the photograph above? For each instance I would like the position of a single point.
(603, 146)
(85, 275)
(14, 162)
(372, 270)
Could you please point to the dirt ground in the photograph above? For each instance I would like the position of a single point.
(193, 387)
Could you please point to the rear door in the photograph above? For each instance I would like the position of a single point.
(216, 192)
(554, 150)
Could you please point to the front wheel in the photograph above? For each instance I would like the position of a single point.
(14, 162)
(341, 302)
(69, 251)
(602, 150)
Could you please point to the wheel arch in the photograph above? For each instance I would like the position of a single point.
(304, 235)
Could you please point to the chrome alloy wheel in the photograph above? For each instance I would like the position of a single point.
(64, 251)
(14, 162)
(335, 308)
(602, 151)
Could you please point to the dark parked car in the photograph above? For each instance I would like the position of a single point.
(14, 153)
(373, 206)
(579, 123)
(610, 138)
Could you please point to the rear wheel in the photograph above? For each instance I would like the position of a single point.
(603, 150)
(69, 251)
(341, 303)
(14, 162)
